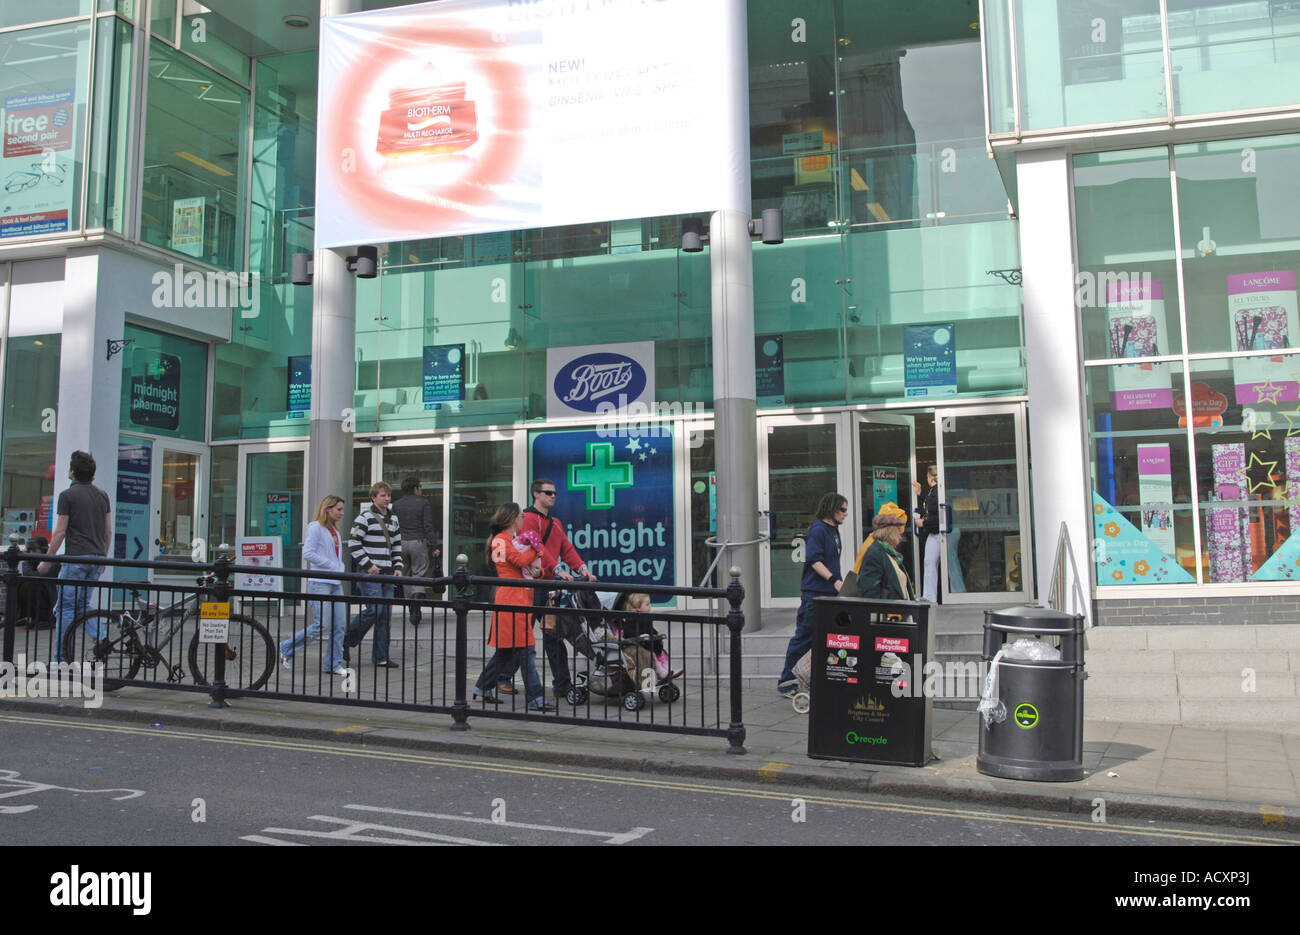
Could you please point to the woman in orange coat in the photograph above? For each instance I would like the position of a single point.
(517, 558)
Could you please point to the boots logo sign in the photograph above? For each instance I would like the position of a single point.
(582, 381)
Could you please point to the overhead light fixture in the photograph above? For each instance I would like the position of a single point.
(513, 338)
(692, 235)
(296, 21)
(366, 262)
(302, 269)
(770, 227)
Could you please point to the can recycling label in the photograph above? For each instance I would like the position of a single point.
(1026, 715)
(214, 621)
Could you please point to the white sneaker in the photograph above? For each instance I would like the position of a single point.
(339, 671)
(284, 661)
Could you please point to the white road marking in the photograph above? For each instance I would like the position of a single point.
(612, 837)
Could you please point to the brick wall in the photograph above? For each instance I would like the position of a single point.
(1182, 611)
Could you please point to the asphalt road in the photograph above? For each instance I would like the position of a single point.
(77, 783)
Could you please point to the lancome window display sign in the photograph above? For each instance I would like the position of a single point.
(468, 116)
(1262, 316)
(1135, 327)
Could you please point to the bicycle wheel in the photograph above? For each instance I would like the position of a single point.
(98, 638)
(250, 656)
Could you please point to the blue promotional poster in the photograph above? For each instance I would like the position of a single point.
(884, 487)
(299, 395)
(769, 369)
(444, 375)
(279, 515)
(930, 360)
(616, 501)
(131, 517)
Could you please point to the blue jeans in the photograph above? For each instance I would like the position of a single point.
(74, 600)
(508, 660)
(801, 642)
(372, 615)
(557, 657)
(322, 611)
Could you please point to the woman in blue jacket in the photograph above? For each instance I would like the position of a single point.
(322, 550)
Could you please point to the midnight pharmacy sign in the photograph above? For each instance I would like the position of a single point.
(616, 500)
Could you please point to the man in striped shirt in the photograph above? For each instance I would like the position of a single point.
(376, 544)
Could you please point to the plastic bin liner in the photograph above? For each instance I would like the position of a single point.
(991, 708)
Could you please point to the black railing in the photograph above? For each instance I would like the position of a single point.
(596, 665)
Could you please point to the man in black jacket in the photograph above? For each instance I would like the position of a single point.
(419, 540)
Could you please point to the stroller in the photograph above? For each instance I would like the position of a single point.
(801, 699)
(619, 659)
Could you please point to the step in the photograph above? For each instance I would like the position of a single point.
(1128, 685)
(1266, 685)
(1223, 637)
(1114, 661)
(1213, 662)
(1138, 710)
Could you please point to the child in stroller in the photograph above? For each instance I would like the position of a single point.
(625, 652)
(651, 651)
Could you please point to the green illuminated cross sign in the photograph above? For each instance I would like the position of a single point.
(600, 476)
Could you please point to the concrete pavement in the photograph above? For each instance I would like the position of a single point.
(1243, 778)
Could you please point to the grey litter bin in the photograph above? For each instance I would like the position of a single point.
(1042, 735)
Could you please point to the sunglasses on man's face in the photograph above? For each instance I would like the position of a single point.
(547, 493)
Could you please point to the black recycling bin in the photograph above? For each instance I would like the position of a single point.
(867, 674)
(1041, 737)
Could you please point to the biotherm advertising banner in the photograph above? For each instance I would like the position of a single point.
(1262, 316)
(1135, 323)
(37, 166)
(466, 116)
(616, 501)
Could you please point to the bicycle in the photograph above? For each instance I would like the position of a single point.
(118, 639)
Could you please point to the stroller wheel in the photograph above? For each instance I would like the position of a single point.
(633, 701)
(801, 701)
(576, 695)
(669, 693)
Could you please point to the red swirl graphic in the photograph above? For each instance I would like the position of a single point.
(497, 154)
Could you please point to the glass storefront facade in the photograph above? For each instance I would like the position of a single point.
(868, 130)
(1196, 292)
(1075, 63)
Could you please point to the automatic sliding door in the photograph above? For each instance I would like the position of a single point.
(982, 483)
(886, 469)
(801, 468)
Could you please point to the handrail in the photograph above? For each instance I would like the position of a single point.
(1056, 598)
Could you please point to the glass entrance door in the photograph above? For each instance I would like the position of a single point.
(425, 461)
(480, 479)
(273, 481)
(801, 461)
(178, 500)
(886, 458)
(983, 462)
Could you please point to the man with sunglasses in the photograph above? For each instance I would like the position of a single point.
(557, 552)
